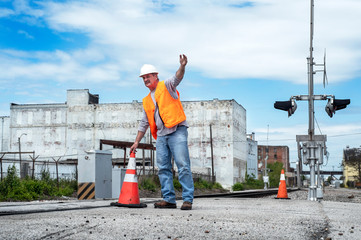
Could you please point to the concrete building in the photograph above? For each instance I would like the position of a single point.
(61, 131)
(4, 133)
(252, 169)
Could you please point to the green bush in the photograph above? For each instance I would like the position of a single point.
(177, 185)
(217, 185)
(252, 183)
(275, 173)
(237, 187)
(148, 183)
(14, 189)
(10, 182)
(202, 184)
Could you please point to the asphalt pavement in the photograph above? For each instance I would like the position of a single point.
(211, 218)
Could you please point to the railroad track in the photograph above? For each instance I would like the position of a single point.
(33, 208)
(247, 193)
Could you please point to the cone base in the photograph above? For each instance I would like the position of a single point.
(282, 198)
(140, 205)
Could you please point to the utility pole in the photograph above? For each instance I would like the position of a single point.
(19, 138)
(210, 133)
(2, 134)
(266, 178)
(311, 111)
(313, 146)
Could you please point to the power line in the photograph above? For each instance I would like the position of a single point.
(318, 125)
(329, 136)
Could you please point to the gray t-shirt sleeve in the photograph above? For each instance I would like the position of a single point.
(171, 85)
(144, 124)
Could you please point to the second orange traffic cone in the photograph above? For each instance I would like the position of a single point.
(282, 189)
(129, 194)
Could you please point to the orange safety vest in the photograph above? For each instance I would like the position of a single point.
(170, 109)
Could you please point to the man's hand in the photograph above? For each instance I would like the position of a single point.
(139, 137)
(134, 147)
(183, 60)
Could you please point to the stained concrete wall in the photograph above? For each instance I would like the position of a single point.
(79, 124)
(252, 168)
(4, 133)
(42, 127)
(227, 121)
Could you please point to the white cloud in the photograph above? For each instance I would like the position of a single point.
(5, 12)
(57, 66)
(26, 34)
(266, 40)
(22, 7)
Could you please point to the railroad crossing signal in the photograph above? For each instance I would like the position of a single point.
(332, 105)
(336, 104)
(289, 106)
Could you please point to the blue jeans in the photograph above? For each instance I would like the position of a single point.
(175, 144)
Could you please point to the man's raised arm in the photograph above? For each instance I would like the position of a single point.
(183, 62)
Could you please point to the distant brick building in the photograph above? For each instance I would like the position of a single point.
(275, 154)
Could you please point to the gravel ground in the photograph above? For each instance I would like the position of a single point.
(329, 194)
(335, 218)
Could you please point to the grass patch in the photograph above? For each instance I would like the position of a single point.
(249, 183)
(237, 187)
(150, 183)
(204, 184)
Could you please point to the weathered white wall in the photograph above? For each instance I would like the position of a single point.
(228, 122)
(252, 157)
(42, 128)
(4, 133)
(90, 123)
(55, 130)
(239, 142)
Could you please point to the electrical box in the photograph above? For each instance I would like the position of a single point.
(118, 175)
(94, 174)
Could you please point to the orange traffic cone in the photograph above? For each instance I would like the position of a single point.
(282, 189)
(129, 194)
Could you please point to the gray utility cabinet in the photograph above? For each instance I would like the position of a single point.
(95, 173)
(118, 175)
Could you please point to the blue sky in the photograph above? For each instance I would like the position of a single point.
(251, 51)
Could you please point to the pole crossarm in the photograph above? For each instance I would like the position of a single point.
(318, 138)
(313, 97)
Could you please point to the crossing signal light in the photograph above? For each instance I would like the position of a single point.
(289, 106)
(336, 104)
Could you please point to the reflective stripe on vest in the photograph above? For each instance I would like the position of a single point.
(170, 109)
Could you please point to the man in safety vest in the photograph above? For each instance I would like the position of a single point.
(163, 113)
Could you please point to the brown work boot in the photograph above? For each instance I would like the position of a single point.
(186, 206)
(164, 204)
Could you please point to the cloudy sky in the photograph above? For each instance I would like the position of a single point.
(252, 51)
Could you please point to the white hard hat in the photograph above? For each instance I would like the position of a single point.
(146, 69)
